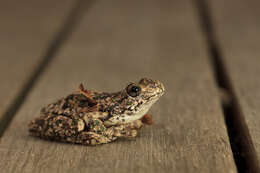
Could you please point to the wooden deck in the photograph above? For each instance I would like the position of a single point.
(196, 48)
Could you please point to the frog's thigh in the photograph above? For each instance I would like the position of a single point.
(92, 137)
(61, 127)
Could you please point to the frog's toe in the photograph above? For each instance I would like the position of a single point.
(91, 138)
(133, 133)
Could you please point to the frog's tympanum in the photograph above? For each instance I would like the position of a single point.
(91, 118)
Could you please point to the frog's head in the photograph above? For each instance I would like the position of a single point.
(138, 98)
(145, 92)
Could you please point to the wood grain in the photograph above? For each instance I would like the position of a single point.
(117, 43)
(26, 29)
(237, 27)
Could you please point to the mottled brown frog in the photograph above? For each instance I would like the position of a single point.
(91, 118)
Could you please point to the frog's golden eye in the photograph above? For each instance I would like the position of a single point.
(133, 90)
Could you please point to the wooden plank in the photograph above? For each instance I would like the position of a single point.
(238, 29)
(26, 31)
(117, 43)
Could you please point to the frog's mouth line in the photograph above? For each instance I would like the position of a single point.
(153, 97)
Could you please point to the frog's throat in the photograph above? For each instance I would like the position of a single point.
(125, 118)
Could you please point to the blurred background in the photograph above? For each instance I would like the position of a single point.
(201, 50)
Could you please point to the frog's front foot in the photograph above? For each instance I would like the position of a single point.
(147, 119)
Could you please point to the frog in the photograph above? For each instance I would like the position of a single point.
(91, 117)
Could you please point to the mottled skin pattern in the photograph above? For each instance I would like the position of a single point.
(91, 118)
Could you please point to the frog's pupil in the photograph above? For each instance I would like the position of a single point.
(135, 89)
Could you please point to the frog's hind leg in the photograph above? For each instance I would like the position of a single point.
(128, 130)
(64, 129)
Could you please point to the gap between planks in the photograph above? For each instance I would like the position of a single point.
(62, 35)
(241, 143)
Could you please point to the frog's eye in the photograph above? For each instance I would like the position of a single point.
(133, 90)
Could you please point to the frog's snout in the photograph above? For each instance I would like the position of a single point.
(161, 87)
(153, 86)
